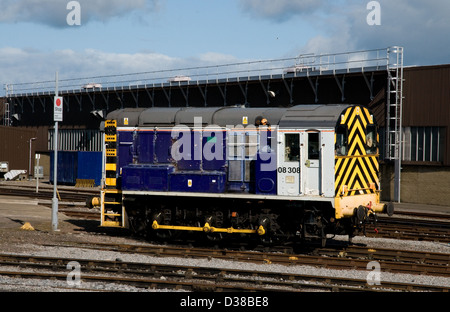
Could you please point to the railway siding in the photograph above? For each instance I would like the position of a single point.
(422, 266)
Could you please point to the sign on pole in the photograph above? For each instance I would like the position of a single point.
(57, 116)
(58, 109)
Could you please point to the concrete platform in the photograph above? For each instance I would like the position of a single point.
(405, 207)
(15, 211)
(44, 184)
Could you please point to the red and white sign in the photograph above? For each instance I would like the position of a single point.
(58, 108)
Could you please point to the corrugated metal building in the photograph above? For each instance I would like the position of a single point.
(426, 138)
(426, 114)
(15, 147)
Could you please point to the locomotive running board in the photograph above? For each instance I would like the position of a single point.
(232, 196)
(208, 229)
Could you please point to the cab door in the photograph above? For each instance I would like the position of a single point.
(312, 164)
(289, 157)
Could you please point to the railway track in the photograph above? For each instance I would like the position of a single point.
(437, 230)
(161, 276)
(417, 226)
(181, 277)
(192, 278)
(65, 194)
(350, 258)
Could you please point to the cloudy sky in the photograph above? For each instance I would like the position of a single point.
(129, 36)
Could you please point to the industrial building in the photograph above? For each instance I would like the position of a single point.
(411, 103)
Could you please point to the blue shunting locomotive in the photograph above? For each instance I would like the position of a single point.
(273, 173)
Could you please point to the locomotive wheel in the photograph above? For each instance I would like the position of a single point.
(213, 222)
(213, 237)
(323, 238)
(273, 233)
(163, 234)
(161, 217)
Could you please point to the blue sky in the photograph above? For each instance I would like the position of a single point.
(174, 28)
(142, 35)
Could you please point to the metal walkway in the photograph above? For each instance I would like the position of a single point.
(307, 65)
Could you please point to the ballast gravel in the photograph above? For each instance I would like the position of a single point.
(30, 245)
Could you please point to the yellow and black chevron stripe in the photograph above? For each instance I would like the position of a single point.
(357, 172)
(111, 152)
(112, 210)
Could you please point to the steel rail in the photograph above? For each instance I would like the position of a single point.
(350, 258)
(198, 278)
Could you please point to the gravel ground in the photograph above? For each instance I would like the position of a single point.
(37, 243)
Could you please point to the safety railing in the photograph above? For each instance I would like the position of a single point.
(301, 65)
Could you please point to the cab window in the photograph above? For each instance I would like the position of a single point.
(371, 140)
(313, 145)
(292, 147)
(340, 146)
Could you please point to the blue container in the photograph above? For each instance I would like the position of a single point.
(77, 165)
(90, 166)
(146, 177)
(67, 167)
(204, 182)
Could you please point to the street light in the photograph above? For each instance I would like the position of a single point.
(29, 160)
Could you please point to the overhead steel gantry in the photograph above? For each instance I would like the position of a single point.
(210, 85)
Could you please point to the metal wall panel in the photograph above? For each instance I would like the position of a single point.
(76, 140)
(427, 96)
(427, 101)
(15, 147)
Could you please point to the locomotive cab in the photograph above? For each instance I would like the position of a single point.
(304, 159)
(357, 184)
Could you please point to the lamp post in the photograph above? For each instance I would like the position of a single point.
(29, 159)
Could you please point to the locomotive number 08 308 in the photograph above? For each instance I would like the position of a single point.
(288, 169)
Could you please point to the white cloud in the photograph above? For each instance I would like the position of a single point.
(280, 10)
(54, 12)
(421, 27)
(20, 66)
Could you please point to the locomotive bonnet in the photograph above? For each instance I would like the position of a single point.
(274, 174)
